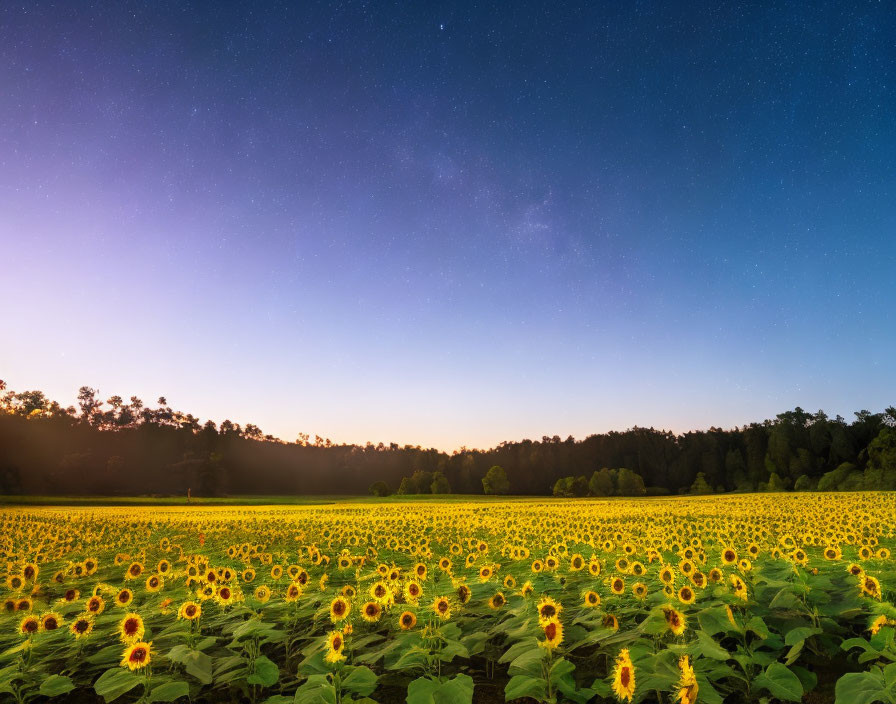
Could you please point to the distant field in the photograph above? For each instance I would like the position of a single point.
(274, 500)
(335, 599)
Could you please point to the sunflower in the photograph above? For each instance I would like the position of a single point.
(248, 575)
(676, 620)
(407, 620)
(15, 582)
(124, 597)
(293, 592)
(71, 595)
(189, 611)
(576, 563)
(753, 550)
(594, 567)
(29, 625)
(134, 571)
(686, 595)
(485, 573)
(624, 676)
(855, 570)
(463, 593)
(153, 583)
(832, 553)
(526, 589)
(444, 564)
(610, 621)
(131, 629)
(340, 607)
(553, 634)
(164, 567)
(224, 595)
(667, 575)
(30, 571)
(9, 605)
(740, 587)
(25, 604)
(276, 572)
(335, 646)
(137, 656)
(639, 589)
(687, 682)
(50, 621)
(537, 566)
(497, 601)
(263, 593)
(420, 570)
(349, 592)
(716, 575)
(877, 624)
(381, 592)
(81, 626)
(442, 607)
(509, 582)
(871, 586)
(371, 611)
(617, 585)
(729, 556)
(592, 599)
(548, 609)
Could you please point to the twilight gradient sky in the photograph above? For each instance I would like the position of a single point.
(451, 224)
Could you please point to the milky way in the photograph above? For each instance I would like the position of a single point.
(451, 224)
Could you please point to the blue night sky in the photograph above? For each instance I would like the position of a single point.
(451, 224)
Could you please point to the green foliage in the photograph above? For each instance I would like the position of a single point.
(630, 483)
(158, 450)
(440, 484)
(380, 488)
(700, 485)
(571, 486)
(496, 481)
(602, 483)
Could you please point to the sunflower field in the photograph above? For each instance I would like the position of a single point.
(738, 599)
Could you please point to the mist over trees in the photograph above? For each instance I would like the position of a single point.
(115, 446)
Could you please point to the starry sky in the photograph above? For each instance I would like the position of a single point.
(451, 224)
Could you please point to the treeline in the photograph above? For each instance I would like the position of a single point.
(118, 447)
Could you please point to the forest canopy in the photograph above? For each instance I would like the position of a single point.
(123, 447)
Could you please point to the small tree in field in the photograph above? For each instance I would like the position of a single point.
(440, 484)
(495, 481)
(700, 485)
(379, 489)
(601, 483)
